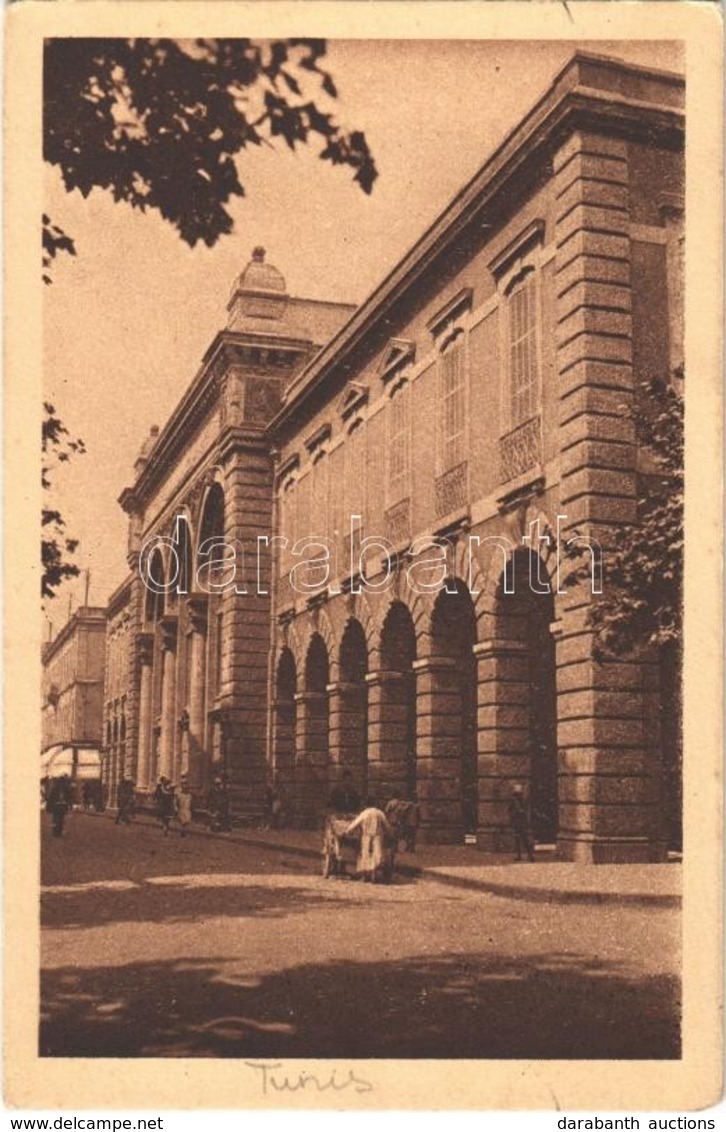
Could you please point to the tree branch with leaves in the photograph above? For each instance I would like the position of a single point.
(642, 601)
(640, 612)
(56, 547)
(159, 124)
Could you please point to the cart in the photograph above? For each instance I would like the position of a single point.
(339, 850)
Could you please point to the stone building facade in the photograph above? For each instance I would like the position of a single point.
(72, 682)
(397, 480)
(118, 699)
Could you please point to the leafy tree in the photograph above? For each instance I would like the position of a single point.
(159, 122)
(56, 546)
(54, 240)
(641, 605)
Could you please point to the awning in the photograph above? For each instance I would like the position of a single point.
(79, 762)
(47, 757)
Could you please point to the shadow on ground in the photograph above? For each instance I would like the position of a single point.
(450, 1006)
(93, 848)
(187, 900)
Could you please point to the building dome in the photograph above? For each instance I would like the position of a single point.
(259, 293)
(260, 277)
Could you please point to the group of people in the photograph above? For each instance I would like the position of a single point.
(173, 802)
(379, 830)
(92, 795)
(59, 797)
(382, 830)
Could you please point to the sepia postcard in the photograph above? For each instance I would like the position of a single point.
(363, 707)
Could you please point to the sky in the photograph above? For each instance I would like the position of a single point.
(126, 321)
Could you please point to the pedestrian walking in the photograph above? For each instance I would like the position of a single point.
(164, 799)
(60, 800)
(274, 806)
(126, 798)
(278, 807)
(183, 802)
(375, 859)
(520, 822)
(218, 806)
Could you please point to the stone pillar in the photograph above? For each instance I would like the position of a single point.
(388, 736)
(146, 655)
(311, 770)
(503, 736)
(194, 755)
(607, 767)
(155, 753)
(243, 688)
(438, 749)
(347, 708)
(168, 628)
(283, 742)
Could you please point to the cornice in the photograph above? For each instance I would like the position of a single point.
(120, 597)
(567, 105)
(353, 398)
(226, 349)
(399, 352)
(243, 438)
(87, 617)
(290, 464)
(533, 233)
(318, 437)
(193, 407)
(454, 307)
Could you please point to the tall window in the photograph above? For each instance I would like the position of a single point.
(287, 525)
(399, 452)
(452, 404)
(218, 646)
(522, 333)
(301, 521)
(355, 471)
(319, 502)
(355, 493)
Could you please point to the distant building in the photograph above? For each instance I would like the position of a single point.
(72, 691)
(480, 400)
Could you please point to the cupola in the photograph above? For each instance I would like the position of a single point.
(259, 292)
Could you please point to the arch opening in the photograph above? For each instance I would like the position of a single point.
(284, 720)
(398, 702)
(523, 618)
(182, 546)
(454, 714)
(350, 728)
(312, 734)
(154, 603)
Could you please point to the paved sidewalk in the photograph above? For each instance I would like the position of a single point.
(657, 885)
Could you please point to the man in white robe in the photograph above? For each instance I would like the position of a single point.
(375, 859)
